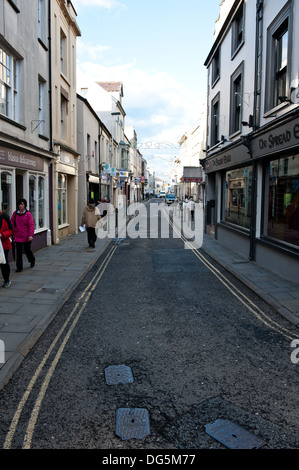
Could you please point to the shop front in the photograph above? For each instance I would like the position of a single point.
(253, 196)
(25, 175)
(65, 195)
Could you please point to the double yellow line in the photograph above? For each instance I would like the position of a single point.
(248, 303)
(67, 327)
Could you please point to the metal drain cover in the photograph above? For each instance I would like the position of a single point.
(232, 435)
(116, 375)
(132, 423)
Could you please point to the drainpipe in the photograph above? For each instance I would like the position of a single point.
(256, 121)
(50, 126)
(258, 64)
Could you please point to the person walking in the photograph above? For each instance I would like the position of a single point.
(191, 207)
(6, 232)
(23, 227)
(90, 217)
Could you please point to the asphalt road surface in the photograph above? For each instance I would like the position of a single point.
(199, 346)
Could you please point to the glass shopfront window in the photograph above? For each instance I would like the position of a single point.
(237, 196)
(62, 199)
(6, 193)
(37, 200)
(32, 197)
(282, 196)
(41, 202)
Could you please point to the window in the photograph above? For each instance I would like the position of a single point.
(278, 61)
(62, 199)
(282, 196)
(6, 193)
(238, 30)
(41, 202)
(8, 85)
(62, 52)
(236, 100)
(41, 105)
(215, 121)
(42, 30)
(216, 67)
(237, 196)
(32, 197)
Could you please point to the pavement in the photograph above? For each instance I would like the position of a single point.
(37, 294)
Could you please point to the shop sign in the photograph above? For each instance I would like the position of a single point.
(284, 137)
(20, 159)
(232, 156)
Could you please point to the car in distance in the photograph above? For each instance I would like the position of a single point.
(170, 198)
(161, 194)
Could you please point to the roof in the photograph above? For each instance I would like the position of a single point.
(111, 86)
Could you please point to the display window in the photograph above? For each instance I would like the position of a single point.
(237, 197)
(62, 199)
(282, 199)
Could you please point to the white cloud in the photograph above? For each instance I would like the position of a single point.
(90, 50)
(106, 4)
(158, 107)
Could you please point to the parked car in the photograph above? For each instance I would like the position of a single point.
(170, 198)
(162, 194)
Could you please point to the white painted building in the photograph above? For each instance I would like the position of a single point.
(252, 153)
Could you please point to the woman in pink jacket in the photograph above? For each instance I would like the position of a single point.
(23, 226)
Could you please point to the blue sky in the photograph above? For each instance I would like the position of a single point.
(157, 48)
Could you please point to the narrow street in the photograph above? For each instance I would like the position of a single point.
(200, 346)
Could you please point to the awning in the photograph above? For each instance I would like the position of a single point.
(94, 179)
(192, 174)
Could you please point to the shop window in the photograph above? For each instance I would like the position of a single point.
(237, 197)
(32, 198)
(282, 196)
(6, 193)
(41, 202)
(62, 199)
(37, 200)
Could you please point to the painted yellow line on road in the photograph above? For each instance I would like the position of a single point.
(86, 293)
(248, 303)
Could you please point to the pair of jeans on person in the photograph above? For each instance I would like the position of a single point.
(28, 253)
(91, 236)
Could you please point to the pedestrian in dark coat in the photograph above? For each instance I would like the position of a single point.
(6, 232)
(23, 227)
(90, 217)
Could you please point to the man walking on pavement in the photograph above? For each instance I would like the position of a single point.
(191, 207)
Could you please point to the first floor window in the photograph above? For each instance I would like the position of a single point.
(237, 196)
(62, 199)
(282, 196)
(8, 84)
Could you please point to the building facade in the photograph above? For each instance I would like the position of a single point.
(26, 155)
(252, 154)
(64, 171)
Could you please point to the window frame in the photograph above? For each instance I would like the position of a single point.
(238, 25)
(236, 100)
(275, 30)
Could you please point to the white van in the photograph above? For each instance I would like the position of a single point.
(162, 194)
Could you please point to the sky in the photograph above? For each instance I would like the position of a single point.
(157, 49)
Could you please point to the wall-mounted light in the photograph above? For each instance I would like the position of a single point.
(250, 121)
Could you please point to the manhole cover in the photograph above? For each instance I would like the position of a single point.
(132, 423)
(232, 436)
(116, 375)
